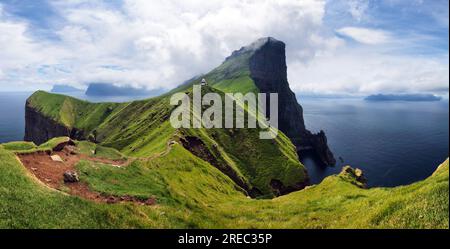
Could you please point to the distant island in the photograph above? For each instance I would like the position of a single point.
(64, 89)
(403, 97)
(108, 89)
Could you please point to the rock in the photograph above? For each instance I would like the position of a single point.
(358, 172)
(278, 188)
(62, 145)
(112, 200)
(356, 176)
(56, 158)
(71, 176)
(150, 201)
(91, 138)
(347, 169)
(360, 176)
(320, 145)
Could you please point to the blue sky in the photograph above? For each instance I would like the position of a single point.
(405, 19)
(333, 47)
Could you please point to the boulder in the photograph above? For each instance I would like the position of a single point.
(150, 201)
(62, 145)
(359, 174)
(56, 158)
(71, 176)
(355, 176)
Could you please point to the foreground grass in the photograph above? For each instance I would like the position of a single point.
(26, 203)
(194, 194)
(337, 203)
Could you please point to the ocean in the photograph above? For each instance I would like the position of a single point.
(394, 143)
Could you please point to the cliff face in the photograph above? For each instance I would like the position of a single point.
(39, 128)
(269, 72)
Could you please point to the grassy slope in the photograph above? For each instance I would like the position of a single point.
(142, 129)
(27, 147)
(195, 194)
(25, 203)
(96, 150)
(70, 111)
(337, 203)
(233, 75)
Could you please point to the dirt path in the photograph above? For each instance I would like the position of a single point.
(51, 173)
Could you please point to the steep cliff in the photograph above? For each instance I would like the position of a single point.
(264, 61)
(40, 128)
(54, 115)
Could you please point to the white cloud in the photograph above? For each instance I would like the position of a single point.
(365, 35)
(18, 54)
(361, 72)
(162, 43)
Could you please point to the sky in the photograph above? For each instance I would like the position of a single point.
(348, 47)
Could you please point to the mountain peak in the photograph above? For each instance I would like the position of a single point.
(264, 42)
(261, 42)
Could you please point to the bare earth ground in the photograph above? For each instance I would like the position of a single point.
(51, 172)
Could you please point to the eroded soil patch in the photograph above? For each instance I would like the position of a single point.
(51, 173)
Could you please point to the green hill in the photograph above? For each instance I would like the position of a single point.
(194, 194)
(142, 129)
